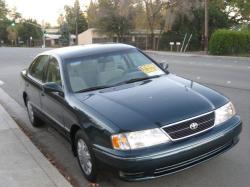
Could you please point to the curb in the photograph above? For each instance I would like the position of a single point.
(47, 171)
(195, 55)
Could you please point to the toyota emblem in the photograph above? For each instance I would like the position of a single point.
(194, 126)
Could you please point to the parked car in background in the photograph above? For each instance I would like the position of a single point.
(118, 106)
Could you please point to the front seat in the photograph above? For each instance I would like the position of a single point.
(110, 72)
(76, 82)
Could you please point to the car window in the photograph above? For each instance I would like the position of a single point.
(109, 69)
(53, 72)
(38, 67)
(139, 59)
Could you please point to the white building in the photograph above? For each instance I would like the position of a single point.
(138, 38)
(52, 40)
(92, 36)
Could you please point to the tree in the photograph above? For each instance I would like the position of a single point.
(4, 22)
(3, 31)
(71, 18)
(64, 40)
(14, 15)
(29, 28)
(153, 10)
(46, 25)
(237, 10)
(12, 34)
(115, 18)
(82, 22)
(139, 15)
(92, 12)
(65, 35)
(3, 10)
(60, 20)
(193, 22)
(156, 13)
(240, 9)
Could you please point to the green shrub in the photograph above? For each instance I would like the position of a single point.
(228, 42)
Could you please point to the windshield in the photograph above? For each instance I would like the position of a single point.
(109, 69)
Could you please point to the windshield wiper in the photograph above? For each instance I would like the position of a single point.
(120, 83)
(136, 80)
(93, 88)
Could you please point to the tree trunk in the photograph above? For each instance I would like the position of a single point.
(152, 36)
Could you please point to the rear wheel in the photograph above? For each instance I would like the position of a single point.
(85, 156)
(34, 120)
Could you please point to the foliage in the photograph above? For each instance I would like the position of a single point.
(115, 18)
(3, 21)
(228, 42)
(22, 29)
(65, 35)
(71, 18)
(3, 30)
(29, 28)
(14, 14)
(3, 10)
(240, 9)
(92, 12)
(195, 25)
(12, 34)
(156, 17)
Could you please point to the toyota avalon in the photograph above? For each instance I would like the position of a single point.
(119, 107)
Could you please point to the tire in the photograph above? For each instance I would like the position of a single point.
(34, 120)
(85, 156)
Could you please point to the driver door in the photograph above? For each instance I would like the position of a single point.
(52, 103)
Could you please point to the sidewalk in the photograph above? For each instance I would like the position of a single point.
(21, 163)
(194, 54)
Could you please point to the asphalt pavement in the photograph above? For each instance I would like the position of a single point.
(228, 75)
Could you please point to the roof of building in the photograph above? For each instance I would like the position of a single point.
(132, 32)
(57, 36)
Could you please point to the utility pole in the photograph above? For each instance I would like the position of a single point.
(44, 38)
(206, 28)
(77, 6)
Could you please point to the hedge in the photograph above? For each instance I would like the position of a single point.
(228, 42)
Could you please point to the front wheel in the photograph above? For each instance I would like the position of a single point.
(85, 156)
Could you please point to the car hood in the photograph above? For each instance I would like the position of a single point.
(153, 103)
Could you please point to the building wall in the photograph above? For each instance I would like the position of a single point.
(92, 36)
(139, 39)
(85, 37)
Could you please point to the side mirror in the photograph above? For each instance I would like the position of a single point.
(52, 87)
(24, 72)
(164, 65)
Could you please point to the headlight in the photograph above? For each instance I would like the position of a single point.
(138, 139)
(224, 113)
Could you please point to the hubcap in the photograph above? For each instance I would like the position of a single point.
(84, 157)
(30, 112)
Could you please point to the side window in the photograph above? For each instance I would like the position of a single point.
(38, 67)
(53, 72)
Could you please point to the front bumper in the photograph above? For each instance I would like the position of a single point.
(172, 157)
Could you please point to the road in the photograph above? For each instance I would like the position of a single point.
(228, 75)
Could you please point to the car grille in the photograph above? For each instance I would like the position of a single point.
(183, 129)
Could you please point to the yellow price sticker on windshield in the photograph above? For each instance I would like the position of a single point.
(149, 68)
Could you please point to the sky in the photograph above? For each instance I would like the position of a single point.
(43, 10)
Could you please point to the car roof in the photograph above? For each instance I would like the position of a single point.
(87, 50)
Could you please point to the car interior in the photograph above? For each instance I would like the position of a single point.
(105, 70)
(95, 72)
